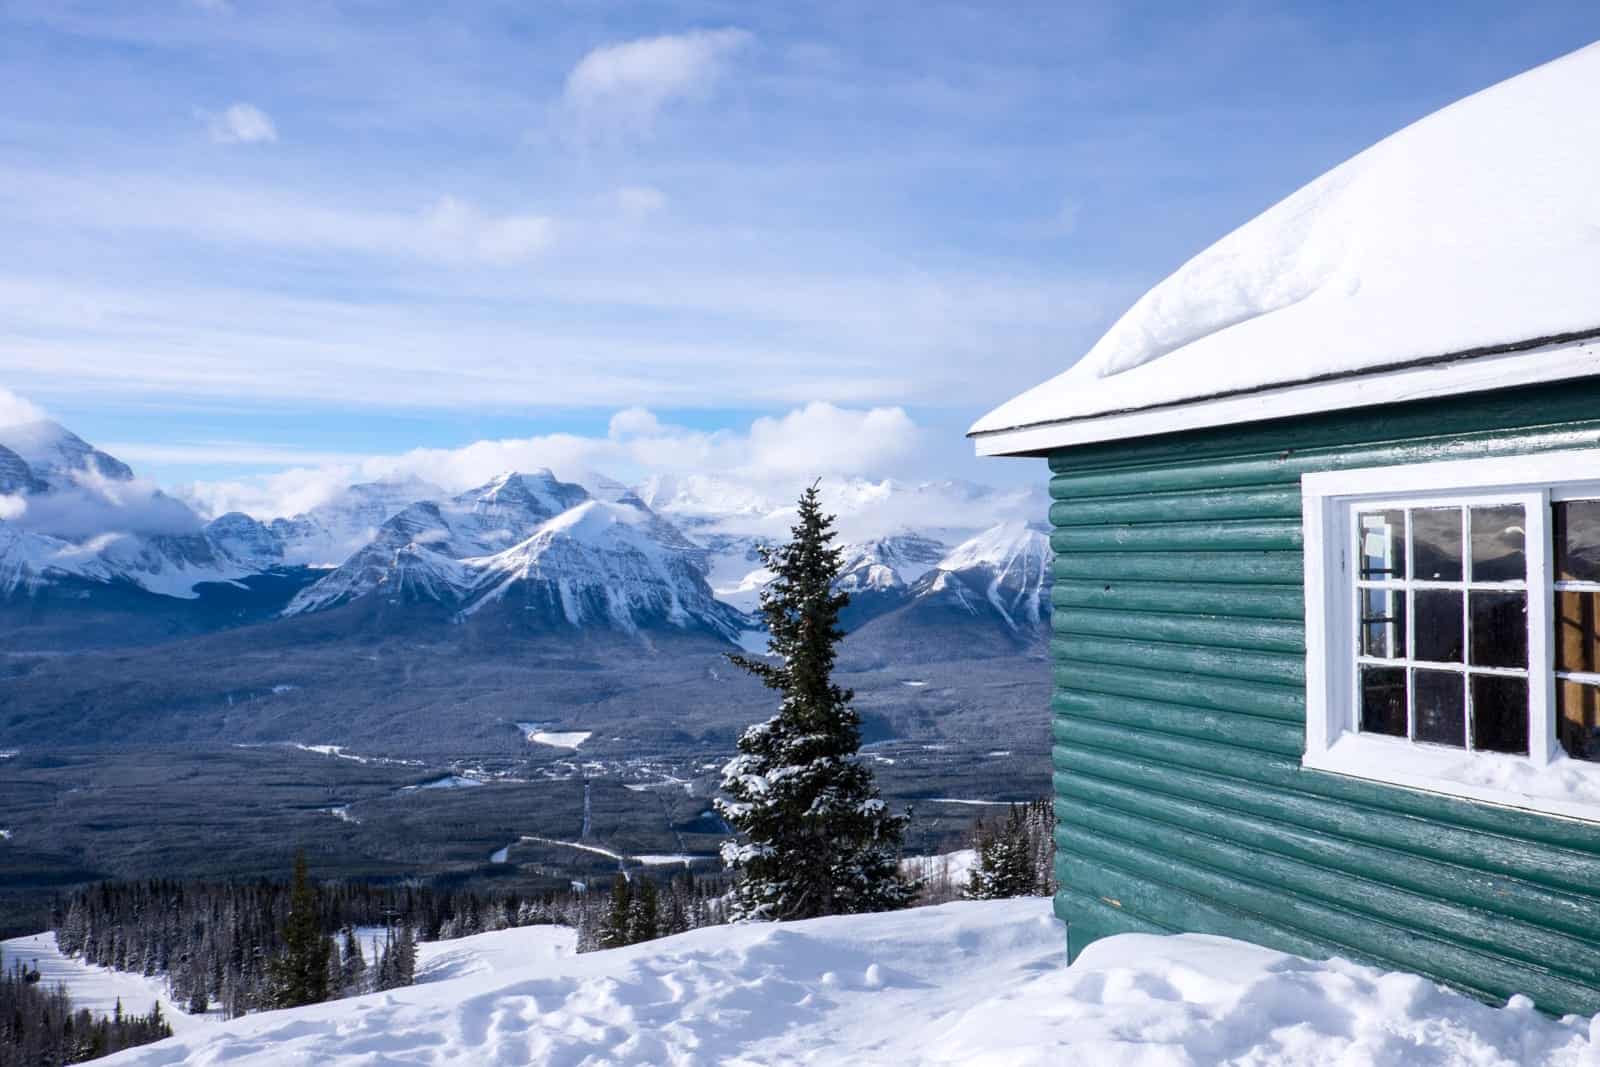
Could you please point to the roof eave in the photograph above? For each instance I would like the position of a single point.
(1525, 363)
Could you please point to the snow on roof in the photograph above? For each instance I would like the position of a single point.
(1472, 230)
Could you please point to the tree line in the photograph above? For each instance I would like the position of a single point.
(254, 946)
(40, 1028)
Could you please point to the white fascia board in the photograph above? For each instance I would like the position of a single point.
(1428, 381)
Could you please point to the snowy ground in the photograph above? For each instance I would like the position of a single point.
(496, 953)
(99, 988)
(969, 983)
(536, 734)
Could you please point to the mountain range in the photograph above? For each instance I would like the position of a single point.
(567, 555)
(93, 560)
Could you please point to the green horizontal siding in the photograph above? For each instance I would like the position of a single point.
(1179, 718)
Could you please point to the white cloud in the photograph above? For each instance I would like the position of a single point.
(12, 507)
(775, 456)
(619, 89)
(94, 504)
(242, 124)
(14, 409)
(456, 230)
(238, 453)
(448, 229)
(821, 439)
(633, 422)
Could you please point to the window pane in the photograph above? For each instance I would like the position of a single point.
(1499, 629)
(1441, 702)
(1578, 719)
(1498, 550)
(1577, 537)
(1383, 544)
(1500, 714)
(1436, 544)
(1578, 632)
(1383, 700)
(1439, 625)
(1383, 623)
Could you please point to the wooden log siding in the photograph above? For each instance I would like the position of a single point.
(1179, 719)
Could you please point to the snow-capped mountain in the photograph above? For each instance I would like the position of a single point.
(1004, 570)
(417, 549)
(888, 563)
(77, 514)
(327, 534)
(619, 565)
(244, 541)
(544, 546)
(671, 551)
(56, 456)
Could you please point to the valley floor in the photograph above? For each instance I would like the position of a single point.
(969, 983)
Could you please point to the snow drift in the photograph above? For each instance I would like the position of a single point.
(967, 983)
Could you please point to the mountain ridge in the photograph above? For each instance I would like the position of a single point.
(676, 551)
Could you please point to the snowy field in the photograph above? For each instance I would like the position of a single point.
(969, 983)
(504, 950)
(99, 988)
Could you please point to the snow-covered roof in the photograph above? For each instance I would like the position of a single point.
(1457, 255)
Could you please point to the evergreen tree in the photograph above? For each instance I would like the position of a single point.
(818, 840)
(1014, 859)
(352, 965)
(643, 917)
(404, 972)
(617, 928)
(300, 974)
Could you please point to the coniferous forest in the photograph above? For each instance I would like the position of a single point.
(40, 1028)
(249, 947)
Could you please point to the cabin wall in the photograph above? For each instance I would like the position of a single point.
(1179, 719)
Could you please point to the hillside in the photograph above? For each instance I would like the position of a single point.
(967, 983)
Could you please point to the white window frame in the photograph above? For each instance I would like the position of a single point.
(1545, 780)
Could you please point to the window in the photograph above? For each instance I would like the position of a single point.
(1453, 628)
(1441, 611)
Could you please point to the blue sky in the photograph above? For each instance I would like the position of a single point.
(246, 236)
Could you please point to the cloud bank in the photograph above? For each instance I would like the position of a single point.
(14, 410)
(773, 458)
(94, 506)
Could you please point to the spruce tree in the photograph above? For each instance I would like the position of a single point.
(300, 974)
(644, 915)
(352, 965)
(818, 840)
(1007, 860)
(617, 928)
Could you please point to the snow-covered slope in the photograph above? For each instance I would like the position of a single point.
(16, 476)
(416, 554)
(542, 545)
(30, 560)
(619, 565)
(1004, 570)
(327, 534)
(57, 456)
(76, 514)
(244, 541)
(888, 563)
(1477, 226)
(982, 983)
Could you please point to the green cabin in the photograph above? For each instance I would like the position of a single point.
(1326, 523)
